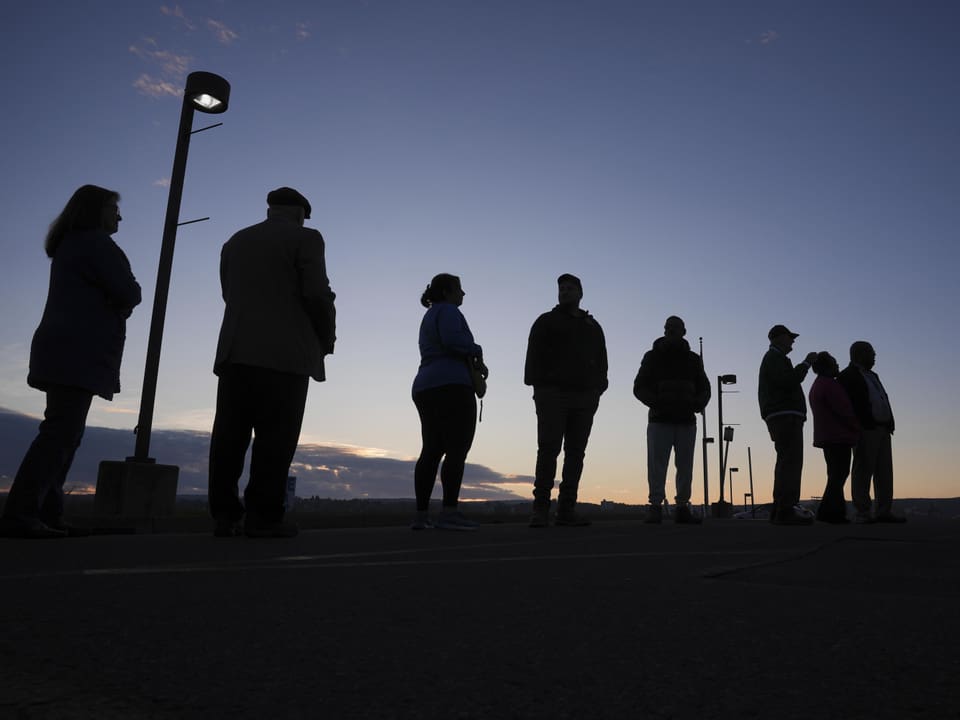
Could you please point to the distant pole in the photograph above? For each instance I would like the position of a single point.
(704, 441)
(720, 432)
(750, 471)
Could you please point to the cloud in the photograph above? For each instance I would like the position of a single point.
(162, 182)
(177, 12)
(172, 66)
(224, 35)
(156, 87)
(769, 37)
(302, 31)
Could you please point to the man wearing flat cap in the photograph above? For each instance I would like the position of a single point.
(567, 366)
(278, 324)
(783, 408)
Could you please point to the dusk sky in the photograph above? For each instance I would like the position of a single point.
(739, 164)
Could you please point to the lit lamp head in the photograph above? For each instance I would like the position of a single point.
(207, 92)
(728, 379)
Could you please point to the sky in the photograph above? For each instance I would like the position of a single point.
(737, 164)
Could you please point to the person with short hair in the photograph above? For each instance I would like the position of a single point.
(279, 322)
(873, 455)
(446, 403)
(75, 354)
(566, 364)
(784, 410)
(671, 381)
(835, 430)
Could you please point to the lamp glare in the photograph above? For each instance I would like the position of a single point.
(206, 102)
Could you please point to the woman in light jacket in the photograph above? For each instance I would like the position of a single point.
(444, 396)
(75, 354)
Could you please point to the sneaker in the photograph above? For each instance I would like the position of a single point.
(32, 529)
(863, 519)
(70, 530)
(540, 519)
(421, 522)
(276, 529)
(791, 517)
(889, 517)
(571, 519)
(227, 527)
(654, 515)
(455, 521)
(684, 516)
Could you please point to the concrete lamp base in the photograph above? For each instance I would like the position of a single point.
(135, 490)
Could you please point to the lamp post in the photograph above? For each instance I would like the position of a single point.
(732, 496)
(140, 487)
(722, 508)
(704, 442)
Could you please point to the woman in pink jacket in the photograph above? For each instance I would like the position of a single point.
(835, 430)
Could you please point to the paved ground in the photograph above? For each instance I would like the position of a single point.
(734, 619)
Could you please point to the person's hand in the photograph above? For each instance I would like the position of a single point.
(810, 358)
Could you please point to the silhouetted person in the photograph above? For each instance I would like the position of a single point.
(567, 366)
(672, 383)
(784, 410)
(278, 325)
(835, 430)
(873, 456)
(75, 353)
(444, 395)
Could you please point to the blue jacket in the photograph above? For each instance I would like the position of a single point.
(80, 339)
(445, 345)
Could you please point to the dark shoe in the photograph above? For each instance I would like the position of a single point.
(454, 520)
(685, 516)
(791, 517)
(654, 515)
(833, 519)
(571, 519)
(864, 519)
(276, 529)
(540, 519)
(227, 527)
(890, 518)
(70, 530)
(32, 529)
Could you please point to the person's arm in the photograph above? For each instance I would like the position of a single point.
(110, 270)
(604, 365)
(643, 384)
(315, 293)
(702, 396)
(455, 335)
(533, 366)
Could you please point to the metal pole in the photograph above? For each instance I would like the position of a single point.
(720, 431)
(703, 442)
(750, 470)
(149, 394)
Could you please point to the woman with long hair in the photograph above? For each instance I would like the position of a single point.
(444, 395)
(75, 354)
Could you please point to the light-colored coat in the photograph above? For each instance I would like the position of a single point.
(279, 306)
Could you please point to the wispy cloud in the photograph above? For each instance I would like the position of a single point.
(177, 12)
(224, 35)
(302, 31)
(768, 37)
(156, 87)
(162, 182)
(171, 65)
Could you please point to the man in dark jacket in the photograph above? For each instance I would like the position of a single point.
(873, 456)
(278, 324)
(672, 383)
(567, 366)
(784, 410)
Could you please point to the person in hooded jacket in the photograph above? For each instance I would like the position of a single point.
(672, 383)
(75, 354)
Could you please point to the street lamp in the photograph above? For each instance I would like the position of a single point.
(139, 486)
(732, 496)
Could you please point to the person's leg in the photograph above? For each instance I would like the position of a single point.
(229, 440)
(832, 504)
(37, 491)
(280, 402)
(659, 443)
(551, 420)
(883, 474)
(864, 464)
(576, 434)
(786, 431)
(429, 408)
(684, 445)
(459, 427)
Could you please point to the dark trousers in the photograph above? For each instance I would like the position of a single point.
(564, 421)
(873, 460)
(270, 405)
(833, 506)
(786, 431)
(37, 490)
(448, 421)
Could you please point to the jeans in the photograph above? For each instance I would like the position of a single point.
(564, 421)
(661, 439)
(786, 431)
(833, 506)
(37, 490)
(873, 459)
(269, 404)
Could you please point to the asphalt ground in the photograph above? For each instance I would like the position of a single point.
(732, 619)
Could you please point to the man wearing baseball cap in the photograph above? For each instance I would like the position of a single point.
(784, 410)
